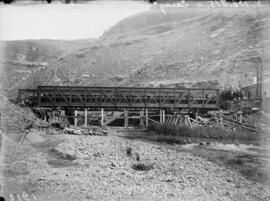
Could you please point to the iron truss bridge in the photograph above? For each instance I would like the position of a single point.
(120, 97)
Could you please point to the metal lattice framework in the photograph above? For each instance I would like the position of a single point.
(126, 97)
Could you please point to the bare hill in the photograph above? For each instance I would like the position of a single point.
(209, 48)
(22, 60)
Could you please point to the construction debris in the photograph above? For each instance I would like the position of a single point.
(230, 121)
(85, 131)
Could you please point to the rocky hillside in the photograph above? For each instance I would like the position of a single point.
(22, 60)
(202, 48)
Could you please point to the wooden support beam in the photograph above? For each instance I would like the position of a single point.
(85, 117)
(240, 125)
(141, 117)
(240, 116)
(160, 116)
(126, 117)
(146, 117)
(221, 120)
(163, 116)
(175, 122)
(75, 118)
(102, 116)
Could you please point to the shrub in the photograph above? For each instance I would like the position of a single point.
(129, 151)
(142, 167)
(168, 129)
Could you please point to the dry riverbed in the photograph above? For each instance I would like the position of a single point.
(113, 167)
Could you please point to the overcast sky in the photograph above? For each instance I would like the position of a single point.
(64, 21)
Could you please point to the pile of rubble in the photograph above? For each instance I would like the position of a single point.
(77, 131)
(85, 131)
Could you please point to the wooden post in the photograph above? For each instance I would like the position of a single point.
(76, 118)
(240, 116)
(102, 117)
(176, 121)
(126, 117)
(160, 116)
(163, 116)
(197, 113)
(185, 120)
(146, 117)
(24, 135)
(221, 120)
(85, 117)
(141, 118)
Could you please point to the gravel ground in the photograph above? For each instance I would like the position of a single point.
(100, 169)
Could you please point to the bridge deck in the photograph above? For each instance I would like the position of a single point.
(125, 97)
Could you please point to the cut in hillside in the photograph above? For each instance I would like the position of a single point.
(204, 48)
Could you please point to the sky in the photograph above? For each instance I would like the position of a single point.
(64, 21)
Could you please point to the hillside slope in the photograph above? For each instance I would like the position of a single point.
(203, 48)
(216, 48)
(22, 60)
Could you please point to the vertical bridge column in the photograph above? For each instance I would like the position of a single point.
(160, 116)
(240, 116)
(126, 117)
(163, 116)
(146, 117)
(141, 117)
(76, 117)
(85, 117)
(102, 116)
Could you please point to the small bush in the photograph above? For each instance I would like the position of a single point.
(137, 156)
(236, 161)
(65, 156)
(61, 163)
(142, 167)
(129, 151)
